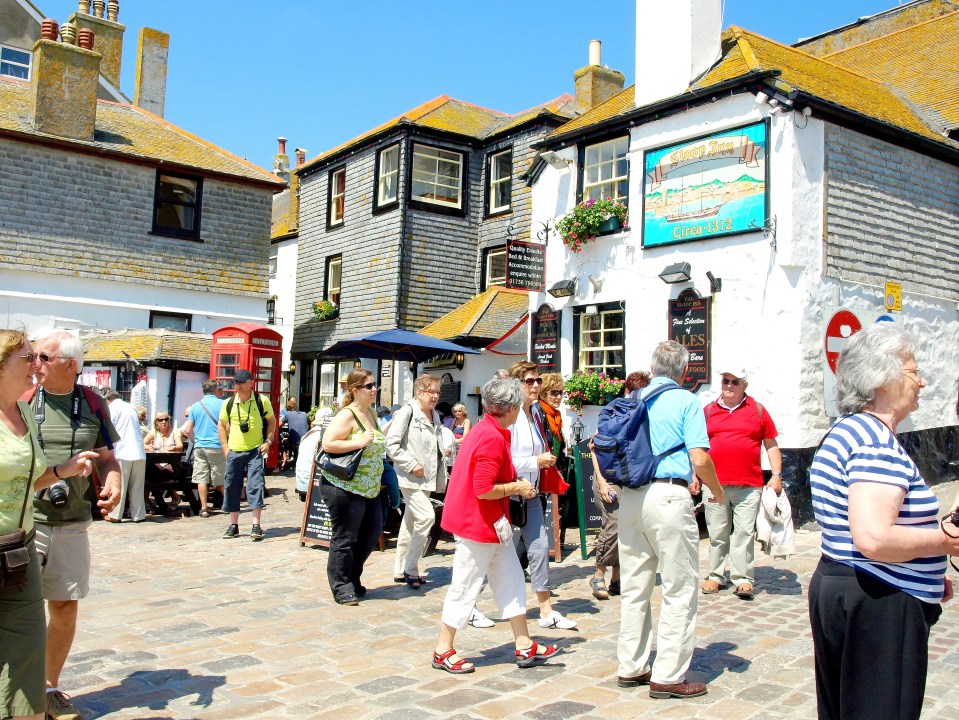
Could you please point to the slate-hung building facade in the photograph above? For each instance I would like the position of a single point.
(841, 172)
(408, 221)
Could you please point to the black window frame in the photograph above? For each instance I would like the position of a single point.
(578, 313)
(158, 314)
(166, 230)
(484, 282)
(437, 208)
(488, 185)
(389, 204)
(330, 225)
(271, 310)
(326, 278)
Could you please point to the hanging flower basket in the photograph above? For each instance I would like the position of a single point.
(326, 310)
(591, 388)
(592, 218)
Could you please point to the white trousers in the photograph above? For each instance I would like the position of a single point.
(418, 519)
(657, 529)
(132, 478)
(474, 562)
(732, 533)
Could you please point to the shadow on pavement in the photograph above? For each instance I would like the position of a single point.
(150, 689)
(777, 581)
(716, 658)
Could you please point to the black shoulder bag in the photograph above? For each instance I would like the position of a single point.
(341, 465)
(14, 558)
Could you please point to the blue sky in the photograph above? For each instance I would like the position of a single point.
(320, 72)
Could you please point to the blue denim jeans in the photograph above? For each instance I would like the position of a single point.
(249, 462)
(390, 497)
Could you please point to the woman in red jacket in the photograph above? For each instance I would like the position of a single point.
(476, 511)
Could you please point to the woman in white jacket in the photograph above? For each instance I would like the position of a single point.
(415, 446)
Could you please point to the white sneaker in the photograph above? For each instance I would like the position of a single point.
(556, 621)
(479, 620)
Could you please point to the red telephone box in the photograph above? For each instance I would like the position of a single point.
(257, 348)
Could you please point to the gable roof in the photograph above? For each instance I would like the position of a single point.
(449, 115)
(128, 132)
(747, 57)
(484, 318)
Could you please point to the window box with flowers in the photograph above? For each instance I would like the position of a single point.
(591, 388)
(326, 310)
(590, 219)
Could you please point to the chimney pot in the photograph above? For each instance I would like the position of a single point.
(98, 8)
(85, 38)
(595, 52)
(49, 29)
(282, 141)
(68, 33)
(113, 10)
(84, 7)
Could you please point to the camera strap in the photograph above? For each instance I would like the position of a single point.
(40, 414)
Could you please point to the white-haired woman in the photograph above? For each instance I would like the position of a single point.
(877, 589)
(477, 513)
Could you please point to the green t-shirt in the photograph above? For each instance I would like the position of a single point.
(245, 412)
(15, 471)
(60, 443)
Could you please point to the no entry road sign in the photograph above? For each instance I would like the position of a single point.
(842, 326)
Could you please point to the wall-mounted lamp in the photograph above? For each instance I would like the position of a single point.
(676, 273)
(555, 159)
(715, 283)
(293, 367)
(591, 310)
(597, 283)
(761, 97)
(563, 288)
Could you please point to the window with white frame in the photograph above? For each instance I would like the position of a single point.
(336, 196)
(437, 176)
(15, 62)
(494, 272)
(388, 176)
(334, 273)
(606, 170)
(500, 173)
(601, 341)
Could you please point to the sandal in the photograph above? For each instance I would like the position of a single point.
(459, 667)
(599, 588)
(711, 587)
(534, 653)
(204, 513)
(744, 591)
(614, 587)
(414, 582)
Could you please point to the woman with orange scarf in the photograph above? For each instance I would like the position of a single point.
(550, 398)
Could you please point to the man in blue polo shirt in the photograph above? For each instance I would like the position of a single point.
(209, 465)
(658, 530)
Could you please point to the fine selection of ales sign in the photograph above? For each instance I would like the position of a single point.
(545, 337)
(689, 325)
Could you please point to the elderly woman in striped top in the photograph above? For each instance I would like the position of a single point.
(879, 584)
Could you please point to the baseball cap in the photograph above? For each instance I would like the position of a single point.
(242, 376)
(736, 372)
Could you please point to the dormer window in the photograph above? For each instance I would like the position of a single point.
(15, 63)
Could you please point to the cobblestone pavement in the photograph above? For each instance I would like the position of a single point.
(183, 624)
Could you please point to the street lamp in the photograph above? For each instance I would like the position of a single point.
(577, 431)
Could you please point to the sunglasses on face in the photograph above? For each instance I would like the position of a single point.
(533, 381)
(368, 386)
(555, 393)
(159, 420)
(30, 357)
(735, 382)
(47, 358)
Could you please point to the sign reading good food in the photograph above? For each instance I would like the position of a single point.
(689, 325)
(706, 187)
(544, 332)
(525, 265)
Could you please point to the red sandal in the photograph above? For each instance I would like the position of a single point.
(460, 667)
(534, 653)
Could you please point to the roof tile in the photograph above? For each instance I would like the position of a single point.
(487, 316)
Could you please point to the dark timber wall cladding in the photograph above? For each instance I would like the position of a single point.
(890, 213)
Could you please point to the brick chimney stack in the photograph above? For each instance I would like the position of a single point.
(63, 87)
(596, 84)
(281, 161)
(109, 35)
(149, 90)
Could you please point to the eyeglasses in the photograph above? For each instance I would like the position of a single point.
(368, 386)
(555, 393)
(431, 391)
(47, 358)
(735, 382)
(911, 372)
(29, 357)
(533, 381)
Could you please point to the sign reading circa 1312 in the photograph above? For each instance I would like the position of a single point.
(690, 326)
(525, 265)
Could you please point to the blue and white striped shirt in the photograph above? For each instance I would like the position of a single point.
(860, 448)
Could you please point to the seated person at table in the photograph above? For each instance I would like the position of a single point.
(164, 438)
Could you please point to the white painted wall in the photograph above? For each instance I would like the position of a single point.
(283, 286)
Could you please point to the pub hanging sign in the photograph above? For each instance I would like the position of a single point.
(544, 333)
(690, 325)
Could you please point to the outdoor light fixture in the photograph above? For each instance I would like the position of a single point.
(591, 310)
(293, 367)
(563, 288)
(555, 159)
(676, 273)
(577, 431)
(715, 283)
(597, 283)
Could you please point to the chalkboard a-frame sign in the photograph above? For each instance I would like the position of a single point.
(316, 528)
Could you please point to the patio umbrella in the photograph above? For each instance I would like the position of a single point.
(403, 345)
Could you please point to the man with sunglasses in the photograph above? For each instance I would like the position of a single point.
(737, 425)
(70, 418)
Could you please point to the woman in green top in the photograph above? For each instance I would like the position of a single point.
(23, 469)
(355, 512)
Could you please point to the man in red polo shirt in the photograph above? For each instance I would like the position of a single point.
(737, 425)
